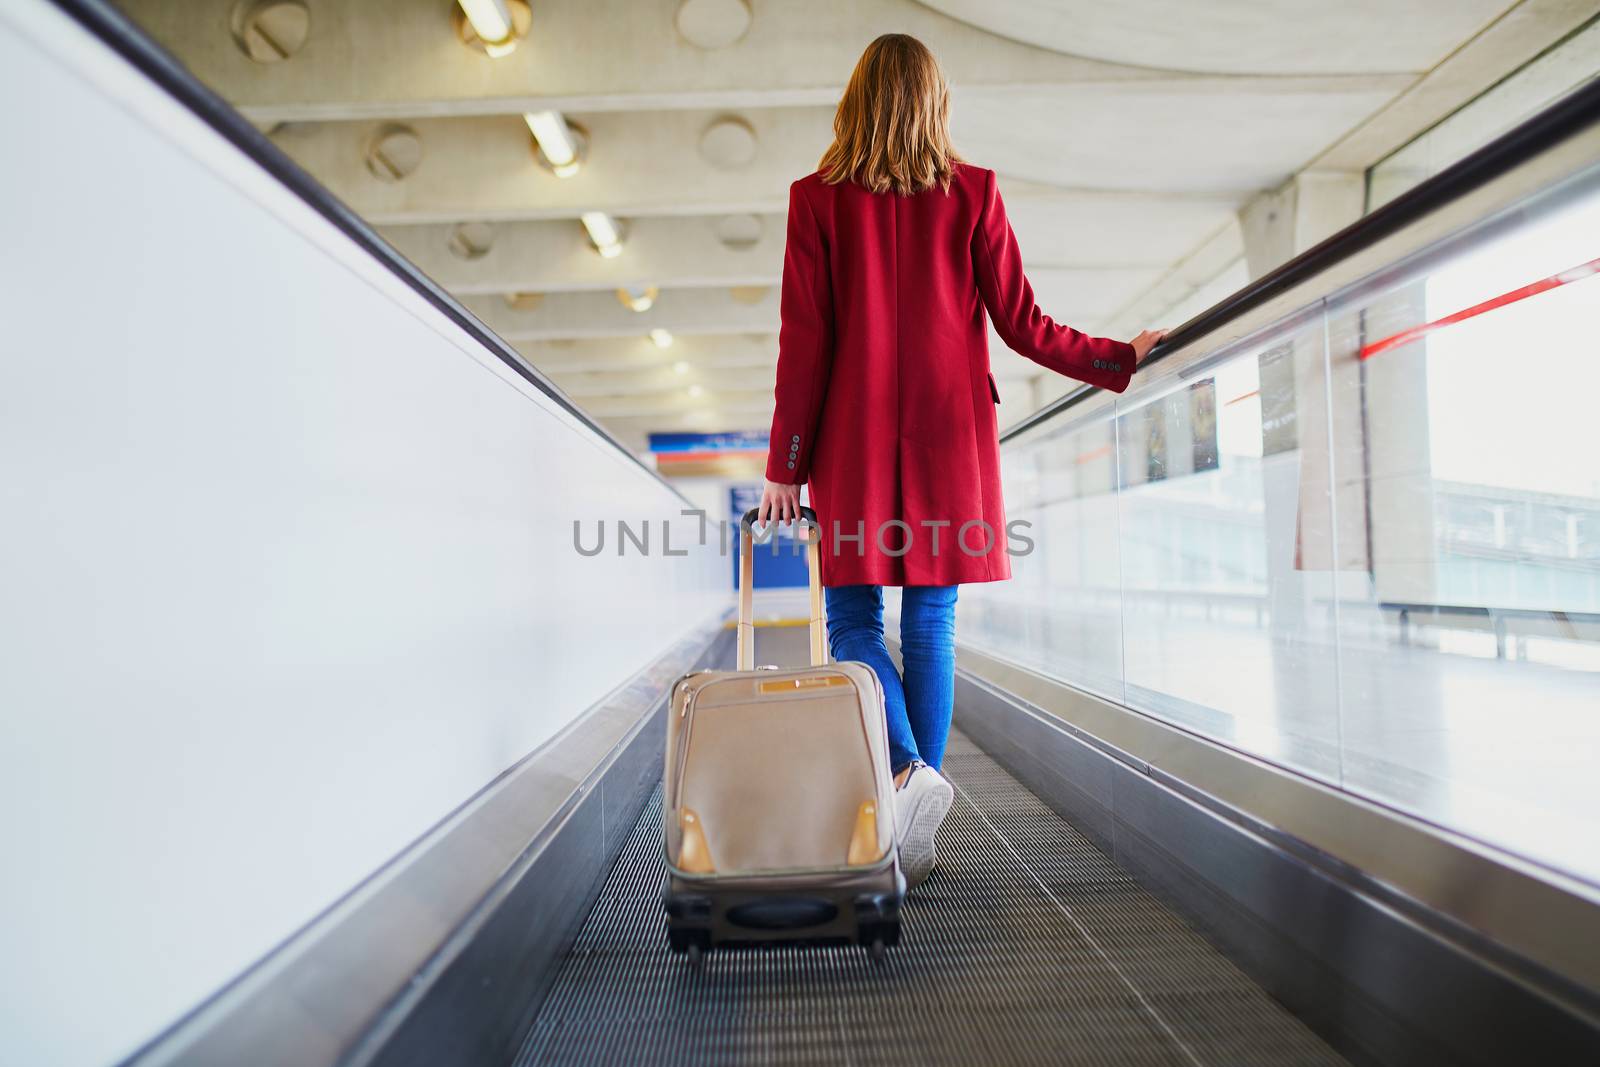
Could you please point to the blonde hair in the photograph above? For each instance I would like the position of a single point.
(892, 129)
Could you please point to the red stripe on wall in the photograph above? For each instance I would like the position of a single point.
(1405, 337)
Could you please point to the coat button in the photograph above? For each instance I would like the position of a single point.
(791, 464)
(795, 438)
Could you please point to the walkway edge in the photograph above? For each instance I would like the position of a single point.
(437, 957)
(1374, 981)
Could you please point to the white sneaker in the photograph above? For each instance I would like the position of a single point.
(920, 805)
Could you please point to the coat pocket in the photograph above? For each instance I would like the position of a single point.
(994, 390)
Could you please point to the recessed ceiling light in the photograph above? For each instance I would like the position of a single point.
(712, 24)
(558, 144)
(495, 26)
(680, 367)
(638, 297)
(662, 338)
(739, 232)
(604, 232)
(697, 390)
(393, 152)
(729, 144)
(270, 31)
(471, 240)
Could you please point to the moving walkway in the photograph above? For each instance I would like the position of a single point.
(365, 768)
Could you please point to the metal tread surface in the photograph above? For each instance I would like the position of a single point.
(1027, 945)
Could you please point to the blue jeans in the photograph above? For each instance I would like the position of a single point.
(920, 705)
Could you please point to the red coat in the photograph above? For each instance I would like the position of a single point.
(885, 401)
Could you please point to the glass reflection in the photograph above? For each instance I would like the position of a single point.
(1364, 543)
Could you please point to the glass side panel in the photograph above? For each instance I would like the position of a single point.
(1061, 614)
(1224, 518)
(1464, 413)
(1363, 544)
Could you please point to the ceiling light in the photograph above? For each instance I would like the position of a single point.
(696, 390)
(729, 144)
(713, 24)
(557, 141)
(471, 240)
(662, 338)
(739, 232)
(491, 21)
(603, 232)
(638, 297)
(393, 152)
(680, 367)
(269, 31)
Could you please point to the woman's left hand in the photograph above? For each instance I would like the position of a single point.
(780, 502)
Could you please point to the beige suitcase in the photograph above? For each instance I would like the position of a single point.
(778, 800)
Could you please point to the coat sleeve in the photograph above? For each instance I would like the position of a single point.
(805, 345)
(997, 264)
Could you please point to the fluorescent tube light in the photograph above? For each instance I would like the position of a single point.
(603, 232)
(491, 21)
(555, 139)
(638, 297)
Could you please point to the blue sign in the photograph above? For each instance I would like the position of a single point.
(735, 441)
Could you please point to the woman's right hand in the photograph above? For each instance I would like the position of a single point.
(779, 502)
(1146, 340)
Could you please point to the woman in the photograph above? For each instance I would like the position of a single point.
(885, 403)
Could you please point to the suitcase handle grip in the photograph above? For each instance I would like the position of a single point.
(754, 514)
(747, 629)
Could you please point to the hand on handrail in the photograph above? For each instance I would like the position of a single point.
(1146, 340)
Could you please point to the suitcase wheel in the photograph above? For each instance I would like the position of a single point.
(693, 942)
(878, 937)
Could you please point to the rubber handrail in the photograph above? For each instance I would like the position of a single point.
(1570, 115)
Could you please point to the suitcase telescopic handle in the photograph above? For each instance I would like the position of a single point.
(747, 626)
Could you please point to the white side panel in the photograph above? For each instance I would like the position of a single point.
(288, 567)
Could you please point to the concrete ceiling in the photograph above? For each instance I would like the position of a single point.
(1239, 36)
(1128, 137)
